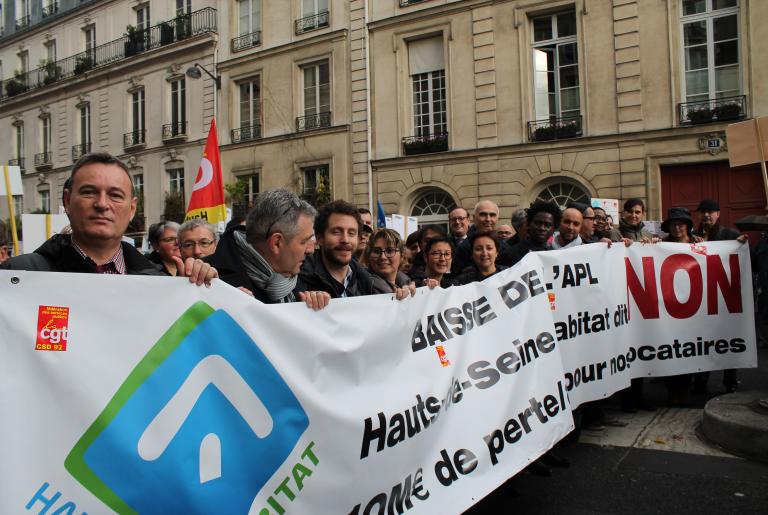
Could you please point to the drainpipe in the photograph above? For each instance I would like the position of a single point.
(368, 104)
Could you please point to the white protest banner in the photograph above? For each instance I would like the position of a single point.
(149, 395)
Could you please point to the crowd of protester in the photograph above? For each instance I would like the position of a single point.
(286, 250)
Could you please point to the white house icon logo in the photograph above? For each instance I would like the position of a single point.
(216, 371)
(199, 426)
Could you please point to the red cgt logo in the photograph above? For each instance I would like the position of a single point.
(52, 328)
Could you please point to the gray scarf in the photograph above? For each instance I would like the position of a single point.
(278, 287)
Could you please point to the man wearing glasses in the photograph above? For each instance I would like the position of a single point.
(197, 239)
(458, 220)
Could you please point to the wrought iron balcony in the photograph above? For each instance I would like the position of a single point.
(406, 3)
(425, 144)
(134, 138)
(19, 161)
(180, 28)
(44, 160)
(313, 22)
(80, 150)
(246, 41)
(720, 110)
(555, 128)
(313, 121)
(22, 22)
(50, 9)
(174, 131)
(246, 133)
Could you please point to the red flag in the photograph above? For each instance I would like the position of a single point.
(207, 200)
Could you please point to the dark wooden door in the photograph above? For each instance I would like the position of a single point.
(739, 191)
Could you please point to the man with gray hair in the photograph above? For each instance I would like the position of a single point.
(197, 239)
(264, 257)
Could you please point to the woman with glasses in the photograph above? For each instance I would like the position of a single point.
(485, 250)
(165, 245)
(384, 254)
(438, 257)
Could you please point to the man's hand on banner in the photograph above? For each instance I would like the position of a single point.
(316, 300)
(197, 270)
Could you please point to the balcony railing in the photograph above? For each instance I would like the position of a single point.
(173, 131)
(22, 22)
(246, 133)
(134, 138)
(50, 9)
(80, 150)
(139, 41)
(310, 23)
(313, 121)
(44, 160)
(406, 3)
(425, 144)
(708, 111)
(246, 41)
(555, 128)
(19, 161)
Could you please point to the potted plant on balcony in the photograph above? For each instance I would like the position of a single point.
(567, 130)
(729, 111)
(700, 115)
(134, 44)
(83, 63)
(183, 24)
(51, 72)
(415, 146)
(544, 133)
(166, 33)
(16, 85)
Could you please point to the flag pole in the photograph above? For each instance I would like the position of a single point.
(9, 195)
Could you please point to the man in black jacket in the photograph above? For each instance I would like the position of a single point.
(100, 202)
(263, 257)
(332, 268)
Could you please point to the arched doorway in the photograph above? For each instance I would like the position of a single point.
(432, 207)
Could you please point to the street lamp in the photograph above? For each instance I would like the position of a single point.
(193, 72)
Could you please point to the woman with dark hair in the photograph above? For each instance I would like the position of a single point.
(163, 236)
(438, 256)
(679, 226)
(383, 254)
(485, 250)
(631, 223)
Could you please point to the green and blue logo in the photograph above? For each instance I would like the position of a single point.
(199, 426)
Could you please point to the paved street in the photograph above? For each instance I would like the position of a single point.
(658, 463)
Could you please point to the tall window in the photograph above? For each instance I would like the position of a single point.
(251, 183)
(555, 66)
(250, 16)
(250, 103)
(142, 17)
(137, 115)
(19, 147)
(310, 7)
(183, 7)
(50, 51)
(176, 180)
(317, 184)
(85, 126)
(45, 134)
(711, 49)
(90, 38)
(179, 106)
(317, 89)
(24, 62)
(45, 201)
(427, 70)
(138, 191)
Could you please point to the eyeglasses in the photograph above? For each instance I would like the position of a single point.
(204, 244)
(600, 218)
(390, 252)
(436, 254)
(169, 239)
(589, 218)
(457, 219)
(269, 228)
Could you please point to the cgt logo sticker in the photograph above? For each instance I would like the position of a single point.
(52, 328)
(199, 426)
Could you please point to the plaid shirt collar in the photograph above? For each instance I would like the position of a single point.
(115, 265)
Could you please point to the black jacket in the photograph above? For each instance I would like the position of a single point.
(520, 250)
(471, 274)
(717, 233)
(58, 255)
(314, 277)
(226, 260)
(382, 285)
